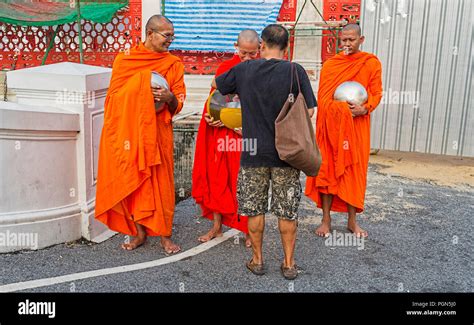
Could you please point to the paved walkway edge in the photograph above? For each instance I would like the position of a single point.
(118, 269)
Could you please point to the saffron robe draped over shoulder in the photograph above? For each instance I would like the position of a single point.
(344, 140)
(135, 181)
(215, 168)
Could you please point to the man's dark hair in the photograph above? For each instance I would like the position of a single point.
(275, 36)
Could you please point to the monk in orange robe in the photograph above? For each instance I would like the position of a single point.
(215, 171)
(135, 183)
(343, 133)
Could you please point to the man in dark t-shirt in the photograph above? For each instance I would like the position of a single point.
(263, 87)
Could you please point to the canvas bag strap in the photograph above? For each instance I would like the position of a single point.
(291, 96)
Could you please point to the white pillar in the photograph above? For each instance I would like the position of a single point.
(307, 50)
(149, 8)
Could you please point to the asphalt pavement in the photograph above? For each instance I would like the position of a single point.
(420, 240)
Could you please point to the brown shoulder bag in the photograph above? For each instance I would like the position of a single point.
(295, 138)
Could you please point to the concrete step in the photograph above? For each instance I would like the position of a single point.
(191, 109)
(198, 81)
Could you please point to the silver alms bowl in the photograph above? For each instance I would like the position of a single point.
(157, 80)
(351, 91)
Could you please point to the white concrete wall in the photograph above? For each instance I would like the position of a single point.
(38, 172)
(49, 142)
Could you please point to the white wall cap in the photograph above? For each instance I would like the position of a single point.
(60, 76)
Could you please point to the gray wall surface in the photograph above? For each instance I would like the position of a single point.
(425, 47)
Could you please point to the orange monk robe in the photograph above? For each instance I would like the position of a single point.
(344, 140)
(215, 171)
(135, 181)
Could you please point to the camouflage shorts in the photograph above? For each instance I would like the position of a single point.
(252, 191)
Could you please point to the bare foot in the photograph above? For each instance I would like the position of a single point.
(169, 247)
(136, 242)
(213, 233)
(248, 241)
(324, 229)
(358, 231)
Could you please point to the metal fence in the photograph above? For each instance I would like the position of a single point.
(425, 47)
(185, 133)
(25, 46)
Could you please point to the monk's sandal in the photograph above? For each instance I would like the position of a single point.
(257, 269)
(289, 273)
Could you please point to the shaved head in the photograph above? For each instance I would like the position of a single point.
(156, 21)
(352, 27)
(249, 36)
(247, 45)
(159, 33)
(351, 39)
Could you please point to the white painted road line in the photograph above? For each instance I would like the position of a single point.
(118, 269)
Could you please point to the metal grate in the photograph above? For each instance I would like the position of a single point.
(3, 85)
(185, 134)
(25, 46)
